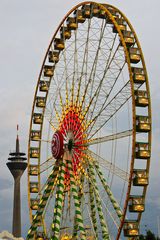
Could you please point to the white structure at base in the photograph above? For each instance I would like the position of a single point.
(5, 235)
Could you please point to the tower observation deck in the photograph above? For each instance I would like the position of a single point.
(17, 166)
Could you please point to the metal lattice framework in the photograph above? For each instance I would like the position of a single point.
(90, 132)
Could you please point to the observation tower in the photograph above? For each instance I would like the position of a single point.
(17, 166)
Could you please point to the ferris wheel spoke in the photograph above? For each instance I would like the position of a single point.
(64, 74)
(74, 68)
(109, 192)
(117, 214)
(93, 68)
(54, 114)
(111, 108)
(97, 90)
(105, 71)
(61, 102)
(48, 210)
(85, 59)
(112, 59)
(96, 94)
(51, 97)
(75, 228)
(94, 112)
(112, 137)
(112, 215)
(62, 112)
(83, 65)
(92, 179)
(53, 108)
(58, 209)
(108, 165)
(66, 77)
(90, 211)
(112, 199)
(83, 202)
(44, 141)
(67, 93)
(78, 214)
(93, 209)
(47, 164)
(81, 169)
(92, 226)
(48, 118)
(57, 115)
(49, 113)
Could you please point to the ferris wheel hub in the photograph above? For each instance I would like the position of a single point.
(57, 145)
(70, 144)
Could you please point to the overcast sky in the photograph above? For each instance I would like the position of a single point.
(26, 28)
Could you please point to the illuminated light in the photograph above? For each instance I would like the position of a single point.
(35, 216)
(66, 237)
(52, 225)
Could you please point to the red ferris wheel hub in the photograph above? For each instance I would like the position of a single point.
(57, 145)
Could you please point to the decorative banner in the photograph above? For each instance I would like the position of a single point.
(57, 145)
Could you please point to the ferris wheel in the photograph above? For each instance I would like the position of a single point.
(90, 131)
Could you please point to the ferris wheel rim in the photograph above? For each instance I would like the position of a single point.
(131, 81)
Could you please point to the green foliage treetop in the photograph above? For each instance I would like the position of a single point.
(149, 236)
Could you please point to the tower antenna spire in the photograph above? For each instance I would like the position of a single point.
(17, 129)
(17, 141)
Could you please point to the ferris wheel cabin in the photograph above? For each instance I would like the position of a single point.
(34, 203)
(71, 23)
(34, 188)
(44, 86)
(142, 150)
(78, 15)
(37, 118)
(128, 38)
(35, 135)
(34, 152)
(135, 56)
(138, 75)
(53, 56)
(140, 177)
(131, 228)
(48, 71)
(143, 124)
(121, 23)
(40, 102)
(65, 33)
(33, 169)
(59, 44)
(136, 203)
(141, 98)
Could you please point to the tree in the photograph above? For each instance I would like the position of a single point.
(149, 236)
(141, 237)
